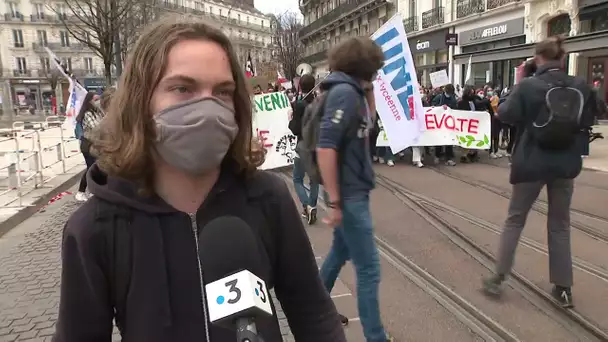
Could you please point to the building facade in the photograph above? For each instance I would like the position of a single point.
(27, 27)
(327, 22)
(497, 35)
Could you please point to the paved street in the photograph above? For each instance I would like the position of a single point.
(437, 230)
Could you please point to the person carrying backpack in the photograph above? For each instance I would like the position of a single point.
(336, 150)
(552, 112)
(87, 120)
(308, 200)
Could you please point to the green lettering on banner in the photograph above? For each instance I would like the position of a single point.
(270, 102)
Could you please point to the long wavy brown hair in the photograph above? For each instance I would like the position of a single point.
(128, 131)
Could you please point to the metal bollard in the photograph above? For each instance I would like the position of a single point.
(13, 181)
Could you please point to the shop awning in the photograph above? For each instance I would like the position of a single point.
(582, 42)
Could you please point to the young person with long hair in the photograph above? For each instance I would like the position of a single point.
(176, 151)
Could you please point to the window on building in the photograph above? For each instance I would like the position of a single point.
(39, 10)
(67, 63)
(14, 9)
(88, 64)
(64, 36)
(18, 38)
(240, 34)
(262, 23)
(211, 9)
(61, 11)
(230, 31)
(41, 37)
(238, 17)
(247, 19)
(45, 64)
(21, 64)
(559, 25)
(220, 12)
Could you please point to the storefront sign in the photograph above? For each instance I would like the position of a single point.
(498, 31)
(428, 42)
(451, 39)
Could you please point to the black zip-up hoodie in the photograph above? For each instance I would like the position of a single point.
(164, 300)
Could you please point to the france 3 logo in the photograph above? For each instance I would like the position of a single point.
(240, 292)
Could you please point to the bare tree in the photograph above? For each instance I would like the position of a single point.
(96, 24)
(144, 13)
(289, 49)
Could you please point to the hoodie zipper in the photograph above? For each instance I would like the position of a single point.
(194, 226)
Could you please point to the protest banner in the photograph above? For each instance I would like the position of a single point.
(449, 127)
(396, 89)
(270, 125)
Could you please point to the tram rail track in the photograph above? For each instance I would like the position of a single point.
(540, 206)
(468, 314)
(570, 319)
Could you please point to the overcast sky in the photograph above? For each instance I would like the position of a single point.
(277, 6)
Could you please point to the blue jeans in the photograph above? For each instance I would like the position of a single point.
(298, 181)
(354, 240)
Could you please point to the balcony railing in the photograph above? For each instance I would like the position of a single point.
(88, 72)
(411, 24)
(64, 47)
(334, 14)
(432, 17)
(22, 73)
(42, 18)
(13, 17)
(492, 4)
(465, 8)
(315, 57)
(40, 47)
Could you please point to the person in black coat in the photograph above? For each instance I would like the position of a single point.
(471, 102)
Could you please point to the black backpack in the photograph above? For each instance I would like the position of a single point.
(117, 219)
(559, 121)
(311, 123)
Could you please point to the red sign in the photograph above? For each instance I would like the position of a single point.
(262, 135)
(445, 120)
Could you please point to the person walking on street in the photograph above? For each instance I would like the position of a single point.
(307, 199)
(345, 165)
(551, 111)
(87, 120)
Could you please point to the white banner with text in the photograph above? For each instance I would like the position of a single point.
(447, 127)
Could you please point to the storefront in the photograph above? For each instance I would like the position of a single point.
(31, 94)
(94, 84)
(593, 64)
(430, 54)
(496, 36)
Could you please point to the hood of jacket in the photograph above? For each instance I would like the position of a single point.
(123, 192)
(337, 77)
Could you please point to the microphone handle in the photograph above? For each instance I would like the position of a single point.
(246, 330)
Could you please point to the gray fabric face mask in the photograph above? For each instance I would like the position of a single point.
(194, 136)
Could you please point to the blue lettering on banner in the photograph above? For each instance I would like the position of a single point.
(403, 78)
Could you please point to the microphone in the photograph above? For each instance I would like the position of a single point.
(230, 258)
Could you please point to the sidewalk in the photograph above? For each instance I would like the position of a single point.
(598, 155)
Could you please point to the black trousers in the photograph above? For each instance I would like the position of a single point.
(495, 139)
(512, 135)
(89, 160)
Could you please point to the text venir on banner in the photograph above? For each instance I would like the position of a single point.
(396, 89)
(467, 129)
(271, 126)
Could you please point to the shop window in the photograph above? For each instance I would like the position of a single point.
(559, 25)
(442, 56)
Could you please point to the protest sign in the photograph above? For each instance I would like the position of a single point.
(270, 125)
(396, 89)
(467, 129)
(439, 78)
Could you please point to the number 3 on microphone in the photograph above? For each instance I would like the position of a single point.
(231, 285)
(260, 292)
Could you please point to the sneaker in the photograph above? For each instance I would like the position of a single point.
(381, 160)
(375, 158)
(507, 154)
(305, 212)
(435, 160)
(312, 215)
(81, 197)
(390, 163)
(343, 319)
(450, 162)
(389, 338)
(401, 155)
(493, 156)
(563, 295)
(418, 164)
(493, 285)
